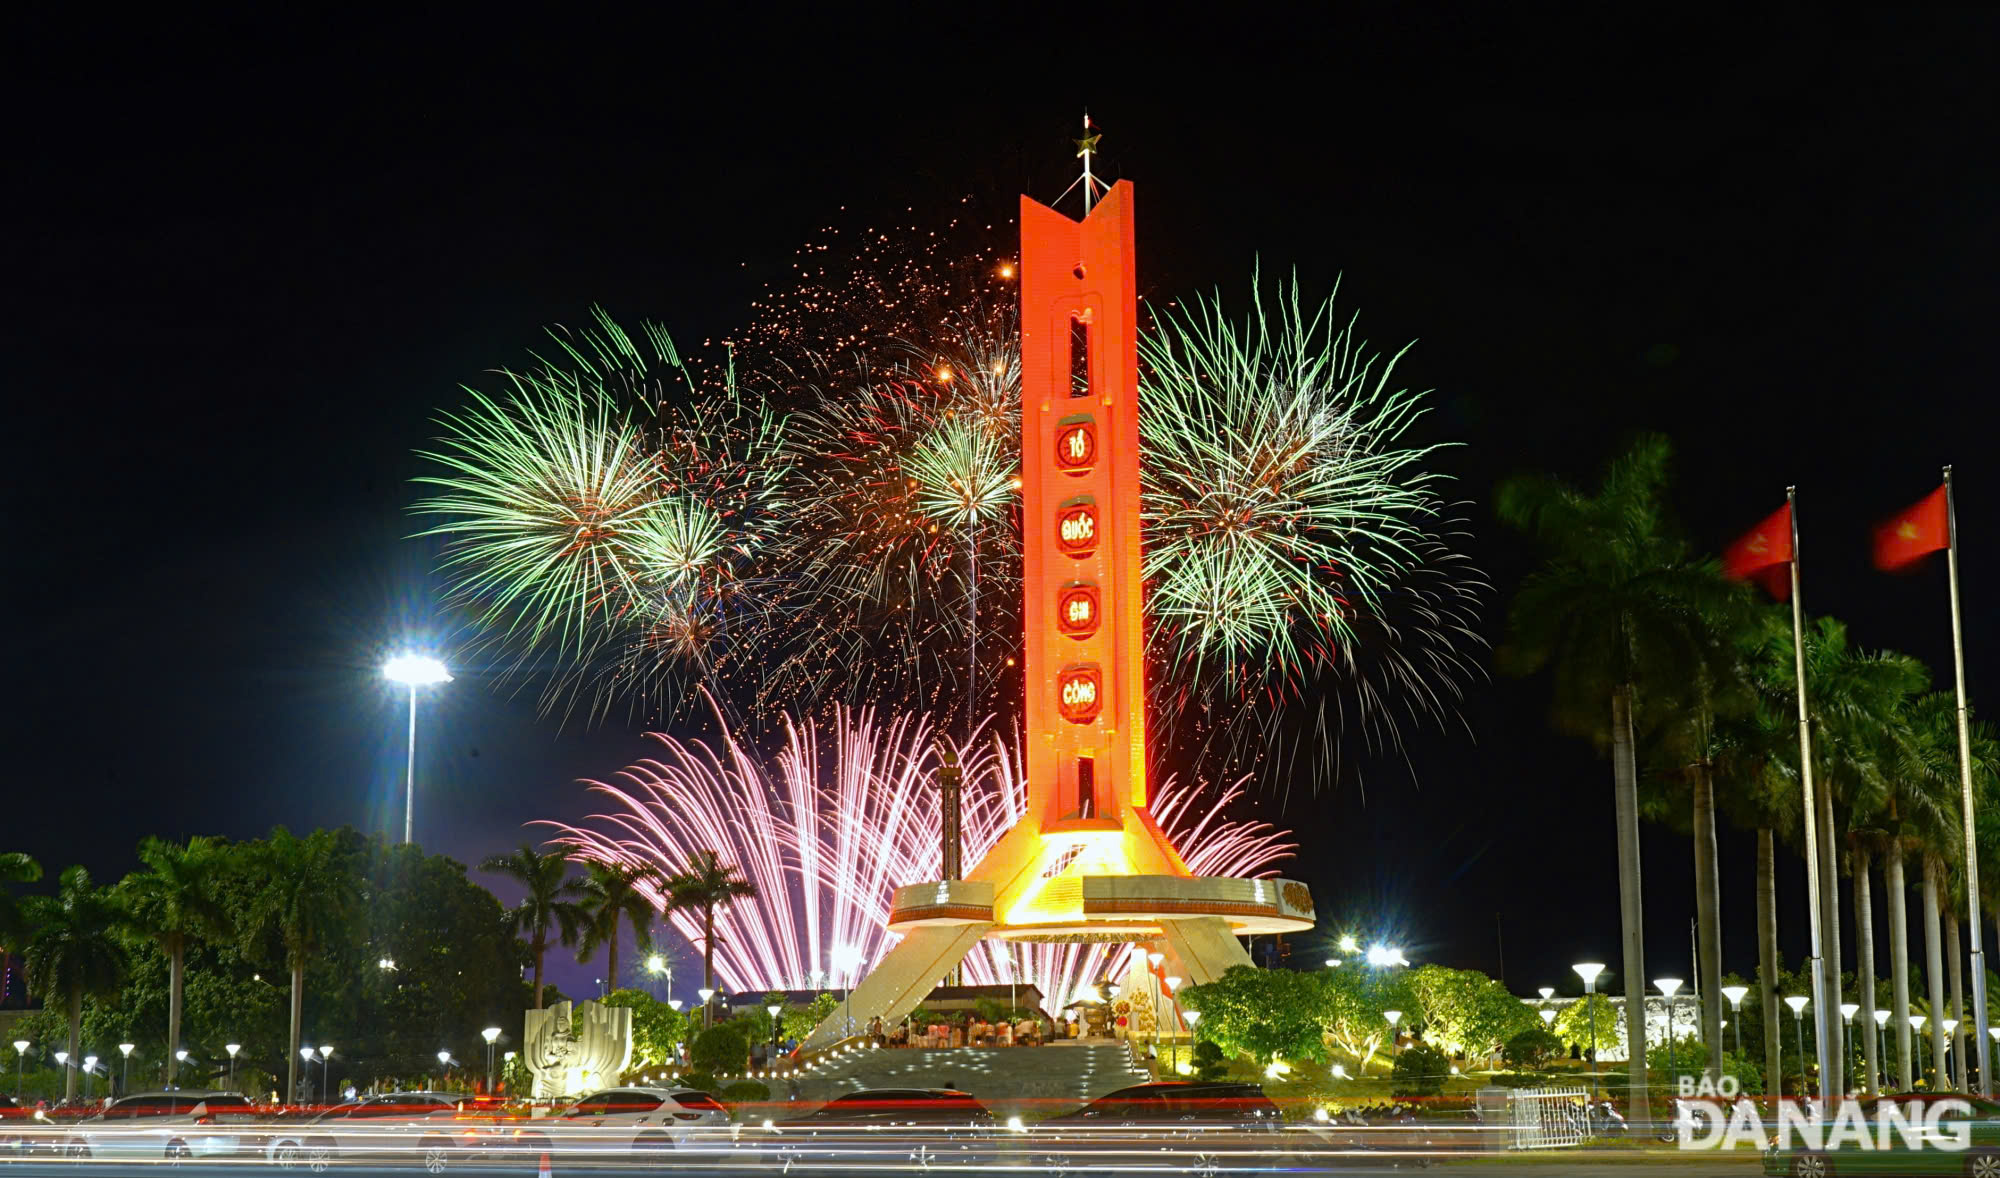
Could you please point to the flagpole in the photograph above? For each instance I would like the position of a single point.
(1826, 1076)
(1965, 798)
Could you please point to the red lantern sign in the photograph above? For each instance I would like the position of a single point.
(1076, 445)
(1080, 693)
(1076, 529)
(1078, 611)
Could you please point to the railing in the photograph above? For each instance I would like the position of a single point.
(1549, 1118)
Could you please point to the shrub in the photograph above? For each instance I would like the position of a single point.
(1533, 1049)
(1210, 1064)
(745, 1092)
(705, 1081)
(1419, 1071)
(723, 1049)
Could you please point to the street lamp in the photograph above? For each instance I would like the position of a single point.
(326, 1072)
(1670, 987)
(20, 1053)
(1548, 1017)
(89, 1069)
(489, 1034)
(848, 958)
(1191, 1017)
(232, 1049)
(1882, 1046)
(706, 994)
(1348, 944)
(1917, 1022)
(125, 1080)
(1547, 992)
(674, 1004)
(1798, 1004)
(1174, 1008)
(444, 1061)
(1588, 971)
(306, 1054)
(773, 1010)
(657, 965)
(1952, 1063)
(1735, 995)
(1395, 1018)
(413, 671)
(1847, 1010)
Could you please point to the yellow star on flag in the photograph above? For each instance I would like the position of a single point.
(1759, 544)
(1907, 530)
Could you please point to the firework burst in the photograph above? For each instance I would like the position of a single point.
(836, 823)
(1293, 534)
(605, 522)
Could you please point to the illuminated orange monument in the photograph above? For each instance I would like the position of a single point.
(1086, 862)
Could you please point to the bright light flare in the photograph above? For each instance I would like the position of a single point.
(415, 670)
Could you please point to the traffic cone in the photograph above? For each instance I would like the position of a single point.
(544, 1171)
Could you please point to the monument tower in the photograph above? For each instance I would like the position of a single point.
(1087, 862)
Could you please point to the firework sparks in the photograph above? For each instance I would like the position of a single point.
(597, 515)
(833, 827)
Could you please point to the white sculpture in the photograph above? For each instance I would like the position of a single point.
(573, 1053)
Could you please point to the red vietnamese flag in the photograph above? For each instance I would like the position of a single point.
(1916, 533)
(1764, 555)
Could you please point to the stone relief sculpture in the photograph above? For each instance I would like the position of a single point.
(571, 1052)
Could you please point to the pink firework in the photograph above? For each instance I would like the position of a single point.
(830, 829)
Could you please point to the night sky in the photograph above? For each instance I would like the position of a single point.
(246, 265)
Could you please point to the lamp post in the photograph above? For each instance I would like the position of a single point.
(1395, 1018)
(489, 1034)
(1953, 1065)
(1670, 987)
(657, 965)
(1917, 1022)
(1798, 1004)
(444, 1061)
(706, 994)
(1847, 1010)
(773, 1010)
(1735, 995)
(125, 1074)
(62, 1061)
(326, 1071)
(1588, 971)
(306, 1054)
(20, 1053)
(1881, 1047)
(848, 958)
(89, 1070)
(1173, 1008)
(1191, 1017)
(232, 1049)
(413, 671)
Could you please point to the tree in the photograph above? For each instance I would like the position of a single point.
(611, 897)
(549, 909)
(74, 950)
(1264, 1013)
(1532, 1049)
(656, 1027)
(1465, 1012)
(174, 903)
(307, 900)
(1420, 1070)
(1590, 1022)
(721, 1050)
(15, 867)
(705, 886)
(1616, 613)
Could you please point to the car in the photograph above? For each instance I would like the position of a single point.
(14, 1123)
(884, 1129)
(434, 1128)
(172, 1125)
(620, 1122)
(1980, 1159)
(1168, 1126)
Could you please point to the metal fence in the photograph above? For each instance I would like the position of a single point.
(1549, 1118)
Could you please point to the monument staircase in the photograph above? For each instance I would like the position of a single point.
(1030, 1082)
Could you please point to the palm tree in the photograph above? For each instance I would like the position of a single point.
(74, 950)
(1760, 795)
(549, 906)
(307, 897)
(706, 885)
(613, 896)
(1618, 614)
(174, 903)
(15, 867)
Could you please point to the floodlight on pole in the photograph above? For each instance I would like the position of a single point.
(413, 671)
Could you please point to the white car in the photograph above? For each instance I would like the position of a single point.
(172, 1125)
(618, 1123)
(434, 1128)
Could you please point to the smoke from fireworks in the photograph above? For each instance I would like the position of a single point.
(606, 523)
(830, 829)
